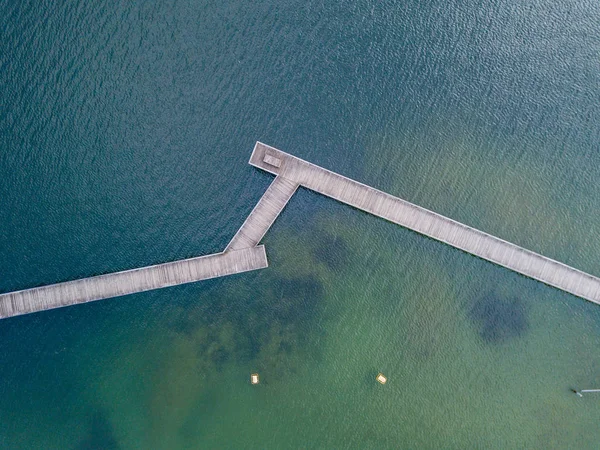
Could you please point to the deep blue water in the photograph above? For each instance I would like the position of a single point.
(125, 131)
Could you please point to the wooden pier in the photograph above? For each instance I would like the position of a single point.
(428, 223)
(132, 281)
(243, 253)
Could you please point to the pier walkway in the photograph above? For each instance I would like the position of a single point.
(264, 214)
(243, 253)
(132, 281)
(426, 222)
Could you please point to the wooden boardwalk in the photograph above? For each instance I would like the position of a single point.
(264, 214)
(426, 222)
(132, 281)
(242, 253)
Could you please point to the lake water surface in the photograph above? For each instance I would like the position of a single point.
(125, 131)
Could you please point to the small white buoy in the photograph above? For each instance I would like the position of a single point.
(381, 378)
(254, 378)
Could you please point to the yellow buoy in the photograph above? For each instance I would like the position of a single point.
(254, 378)
(381, 378)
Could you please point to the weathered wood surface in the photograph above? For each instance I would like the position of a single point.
(264, 214)
(242, 253)
(132, 281)
(428, 223)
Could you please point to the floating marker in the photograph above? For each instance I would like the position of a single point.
(580, 393)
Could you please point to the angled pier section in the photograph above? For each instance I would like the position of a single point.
(131, 281)
(426, 222)
(264, 214)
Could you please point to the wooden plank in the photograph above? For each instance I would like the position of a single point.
(242, 253)
(264, 214)
(428, 223)
(132, 281)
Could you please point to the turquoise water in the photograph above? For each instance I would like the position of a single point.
(125, 130)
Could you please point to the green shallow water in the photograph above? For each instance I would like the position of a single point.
(124, 138)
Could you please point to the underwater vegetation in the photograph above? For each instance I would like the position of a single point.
(100, 434)
(269, 321)
(331, 251)
(499, 319)
(261, 323)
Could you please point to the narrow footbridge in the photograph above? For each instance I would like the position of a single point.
(243, 253)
